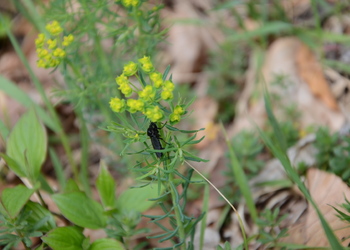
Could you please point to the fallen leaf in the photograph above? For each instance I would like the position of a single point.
(327, 190)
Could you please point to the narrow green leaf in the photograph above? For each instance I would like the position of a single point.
(19, 95)
(106, 244)
(241, 178)
(67, 238)
(38, 212)
(15, 198)
(58, 168)
(106, 187)
(136, 199)
(27, 144)
(80, 209)
(269, 28)
(4, 131)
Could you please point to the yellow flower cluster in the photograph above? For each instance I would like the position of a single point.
(176, 115)
(50, 49)
(149, 97)
(129, 3)
(156, 79)
(146, 64)
(154, 113)
(117, 105)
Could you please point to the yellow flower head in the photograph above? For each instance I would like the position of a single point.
(135, 105)
(167, 95)
(59, 53)
(146, 64)
(125, 89)
(42, 53)
(122, 79)
(129, 3)
(54, 28)
(131, 103)
(148, 93)
(157, 79)
(168, 85)
(174, 118)
(130, 69)
(117, 105)
(179, 110)
(52, 43)
(67, 40)
(39, 42)
(154, 113)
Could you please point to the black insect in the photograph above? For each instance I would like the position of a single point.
(153, 134)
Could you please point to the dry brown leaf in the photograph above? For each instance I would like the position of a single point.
(327, 190)
(281, 61)
(311, 73)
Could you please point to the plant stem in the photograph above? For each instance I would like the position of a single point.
(175, 201)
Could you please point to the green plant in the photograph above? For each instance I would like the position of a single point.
(333, 153)
(158, 163)
(269, 231)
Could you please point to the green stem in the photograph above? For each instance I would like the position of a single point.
(58, 129)
(179, 221)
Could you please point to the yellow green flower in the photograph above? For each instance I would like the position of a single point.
(122, 79)
(130, 69)
(67, 40)
(52, 43)
(148, 93)
(157, 79)
(39, 42)
(42, 52)
(54, 28)
(117, 105)
(129, 3)
(178, 110)
(146, 64)
(135, 105)
(59, 53)
(125, 89)
(168, 85)
(167, 95)
(41, 63)
(174, 118)
(154, 113)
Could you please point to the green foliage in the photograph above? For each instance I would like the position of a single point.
(344, 216)
(90, 215)
(269, 231)
(26, 147)
(248, 147)
(106, 187)
(70, 238)
(333, 153)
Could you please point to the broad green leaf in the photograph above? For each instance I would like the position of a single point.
(27, 145)
(71, 187)
(136, 199)
(67, 238)
(13, 165)
(19, 95)
(106, 187)
(81, 210)
(38, 212)
(15, 198)
(106, 244)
